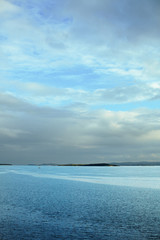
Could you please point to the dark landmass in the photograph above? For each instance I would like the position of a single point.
(109, 164)
(5, 164)
(138, 164)
(90, 165)
(48, 164)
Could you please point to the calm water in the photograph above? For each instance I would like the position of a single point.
(99, 203)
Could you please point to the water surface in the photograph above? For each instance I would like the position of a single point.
(111, 203)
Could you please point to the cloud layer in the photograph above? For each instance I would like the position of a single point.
(38, 134)
(79, 81)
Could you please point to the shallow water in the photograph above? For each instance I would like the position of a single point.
(110, 203)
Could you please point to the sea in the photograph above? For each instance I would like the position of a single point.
(64, 202)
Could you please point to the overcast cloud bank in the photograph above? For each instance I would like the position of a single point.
(80, 81)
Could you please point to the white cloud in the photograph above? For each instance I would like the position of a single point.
(8, 8)
(49, 95)
(70, 98)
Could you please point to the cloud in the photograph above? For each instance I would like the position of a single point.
(53, 96)
(63, 62)
(30, 134)
(8, 8)
(126, 19)
(92, 33)
(13, 104)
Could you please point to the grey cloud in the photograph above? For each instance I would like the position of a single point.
(92, 137)
(126, 19)
(118, 32)
(11, 103)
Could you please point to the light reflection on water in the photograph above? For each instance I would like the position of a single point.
(147, 177)
(38, 203)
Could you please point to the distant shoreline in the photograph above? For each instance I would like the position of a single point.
(90, 165)
(6, 164)
(115, 164)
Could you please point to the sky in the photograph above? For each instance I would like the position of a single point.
(79, 81)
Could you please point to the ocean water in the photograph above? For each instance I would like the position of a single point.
(99, 203)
